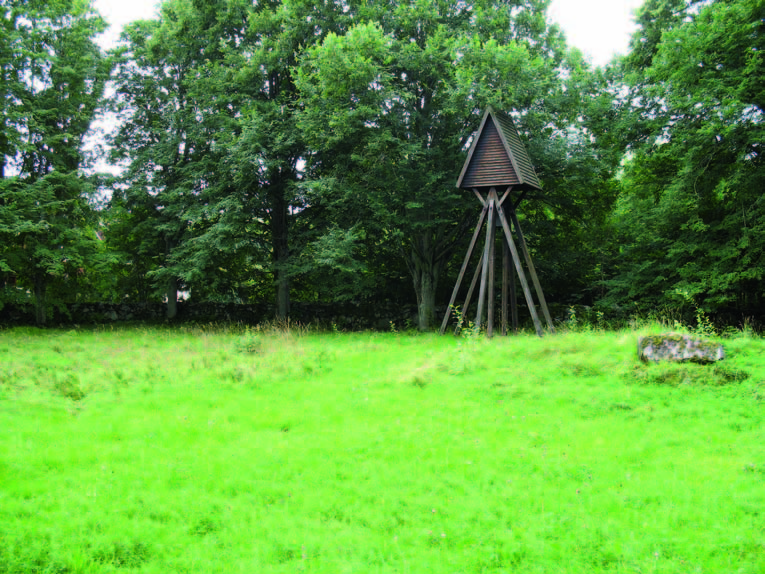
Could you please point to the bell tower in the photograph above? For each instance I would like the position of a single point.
(498, 163)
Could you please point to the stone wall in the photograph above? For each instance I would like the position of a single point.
(344, 316)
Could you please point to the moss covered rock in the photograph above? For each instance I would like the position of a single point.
(679, 348)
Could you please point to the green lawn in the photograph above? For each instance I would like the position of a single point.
(204, 450)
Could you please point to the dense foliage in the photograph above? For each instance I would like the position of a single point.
(53, 76)
(288, 150)
(690, 218)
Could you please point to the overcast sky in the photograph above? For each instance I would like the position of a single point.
(599, 28)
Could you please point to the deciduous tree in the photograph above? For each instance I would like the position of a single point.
(390, 108)
(53, 78)
(691, 213)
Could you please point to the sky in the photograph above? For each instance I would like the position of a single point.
(599, 28)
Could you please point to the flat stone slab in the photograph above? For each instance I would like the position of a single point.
(679, 348)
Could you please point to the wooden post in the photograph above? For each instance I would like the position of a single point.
(485, 269)
(490, 311)
(513, 302)
(462, 270)
(505, 280)
(532, 271)
(518, 267)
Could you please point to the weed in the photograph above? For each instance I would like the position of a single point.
(458, 314)
(621, 407)
(572, 322)
(704, 326)
(419, 381)
(9, 379)
(30, 556)
(283, 327)
(730, 374)
(250, 342)
(420, 377)
(68, 386)
(469, 332)
(204, 526)
(583, 369)
(674, 374)
(583, 319)
(601, 320)
(754, 468)
(120, 379)
(123, 555)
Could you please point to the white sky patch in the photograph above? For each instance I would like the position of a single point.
(601, 29)
(120, 12)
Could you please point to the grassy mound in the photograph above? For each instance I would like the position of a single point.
(159, 450)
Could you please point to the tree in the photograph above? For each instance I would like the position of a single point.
(170, 137)
(389, 109)
(264, 204)
(53, 80)
(691, 215)
(212, 142)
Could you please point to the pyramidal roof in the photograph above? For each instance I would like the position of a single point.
(497, 156)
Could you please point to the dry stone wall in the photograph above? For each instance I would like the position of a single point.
(346, 316)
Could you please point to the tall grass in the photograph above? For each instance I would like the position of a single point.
(284, 450)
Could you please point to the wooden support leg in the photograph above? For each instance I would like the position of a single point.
(469, 297)
(518, 268)
(513, 302)
(485, 269)
(462, 270)
(532, 271)
(490, 312)
(505, 280)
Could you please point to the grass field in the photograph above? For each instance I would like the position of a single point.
(210, 450)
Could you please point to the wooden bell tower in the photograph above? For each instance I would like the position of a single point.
(499, 164)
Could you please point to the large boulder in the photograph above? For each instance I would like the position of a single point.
(678, 348)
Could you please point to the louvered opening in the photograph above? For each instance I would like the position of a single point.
(518, 150)
(490, 164)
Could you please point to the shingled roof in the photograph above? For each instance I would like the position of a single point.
(497, 156)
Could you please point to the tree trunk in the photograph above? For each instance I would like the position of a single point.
(4, 151)
(172, 298)
(171, 291)
(279, 239)
(426, 299)
(41, 310)
(425, 273)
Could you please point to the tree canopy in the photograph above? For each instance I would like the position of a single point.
(690, 215)
(53, 78)
(288, 150)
